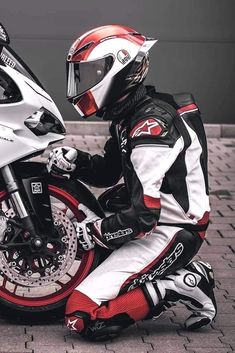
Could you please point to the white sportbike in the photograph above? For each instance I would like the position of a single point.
(40, 259)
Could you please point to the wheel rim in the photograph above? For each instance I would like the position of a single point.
(40, 296)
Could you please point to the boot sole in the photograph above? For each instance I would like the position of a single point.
(202, 322)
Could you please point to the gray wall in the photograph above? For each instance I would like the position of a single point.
(195, 52)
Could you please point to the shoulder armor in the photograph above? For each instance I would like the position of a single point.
(152, 124)
(149, 127)
(154, 130)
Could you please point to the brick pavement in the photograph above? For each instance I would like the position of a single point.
(165, 335)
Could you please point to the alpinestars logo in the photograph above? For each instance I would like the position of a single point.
(148, 127)
(190, 280)
(119, 234)
(166, 263)
(71, 324)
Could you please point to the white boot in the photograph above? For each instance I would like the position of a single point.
(193, 286)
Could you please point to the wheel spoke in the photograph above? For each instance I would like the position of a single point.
(59, 283)
(4, 282)
(69, 275)
(15, 288)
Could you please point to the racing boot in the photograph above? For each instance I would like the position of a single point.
(193, 286)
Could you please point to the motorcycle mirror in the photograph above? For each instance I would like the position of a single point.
(4, 37)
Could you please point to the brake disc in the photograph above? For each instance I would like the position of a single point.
(43, 272)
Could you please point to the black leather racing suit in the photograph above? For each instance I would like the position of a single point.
(158, 145)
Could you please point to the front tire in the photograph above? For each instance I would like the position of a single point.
(14, 295)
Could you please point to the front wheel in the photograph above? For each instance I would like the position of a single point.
(42, 282)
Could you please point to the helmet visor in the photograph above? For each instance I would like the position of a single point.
(81, 76)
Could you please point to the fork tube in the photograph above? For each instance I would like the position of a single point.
(13, 189)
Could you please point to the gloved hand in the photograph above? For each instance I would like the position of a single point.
(83, 230)
(61, 161)
(84, 236)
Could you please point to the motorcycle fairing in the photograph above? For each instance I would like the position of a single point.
(16, 140)
(8, 57)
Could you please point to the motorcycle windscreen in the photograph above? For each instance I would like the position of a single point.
(9, 92)
(81, 76)
(9, 58)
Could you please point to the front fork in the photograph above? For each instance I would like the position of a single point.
(19, 206)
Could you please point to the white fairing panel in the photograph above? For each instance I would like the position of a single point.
(16, 140)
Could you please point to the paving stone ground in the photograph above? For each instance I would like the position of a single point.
(166, 335)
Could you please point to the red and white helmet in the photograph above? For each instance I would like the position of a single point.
(103, 65)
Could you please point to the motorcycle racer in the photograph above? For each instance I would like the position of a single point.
(160, 213)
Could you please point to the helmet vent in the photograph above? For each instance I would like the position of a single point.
(85, 47)
(135, 34)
